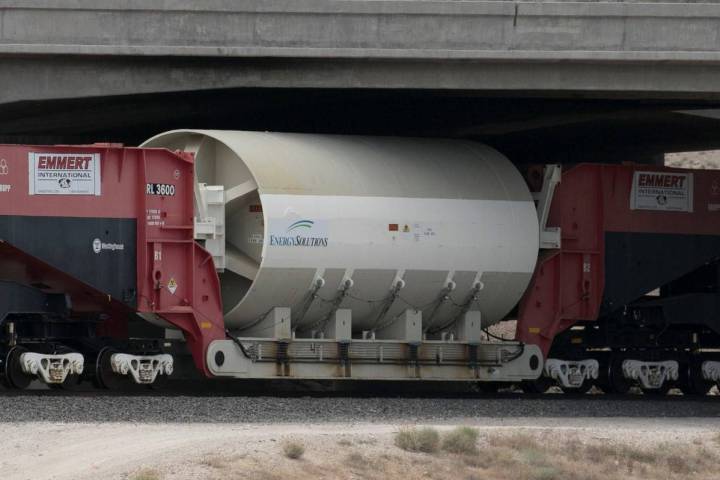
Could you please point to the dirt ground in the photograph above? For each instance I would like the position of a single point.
(518, 449)
(707, 159)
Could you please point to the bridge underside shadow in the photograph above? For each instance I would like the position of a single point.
(527, 126)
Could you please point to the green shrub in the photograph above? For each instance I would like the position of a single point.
(461, 440)
(146, 474)
(293, 450)
(426, 440)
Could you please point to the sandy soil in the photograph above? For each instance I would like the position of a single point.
(707, 159)
(199, 451)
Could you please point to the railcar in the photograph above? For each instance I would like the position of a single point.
(294, 256)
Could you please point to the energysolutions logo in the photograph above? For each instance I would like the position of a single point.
(298, 233)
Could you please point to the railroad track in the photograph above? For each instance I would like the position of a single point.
(276, 389)
(103, 407)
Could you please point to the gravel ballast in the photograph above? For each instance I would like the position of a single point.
(186, 409)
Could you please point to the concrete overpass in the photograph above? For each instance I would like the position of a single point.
(501, 70)
(73, 48)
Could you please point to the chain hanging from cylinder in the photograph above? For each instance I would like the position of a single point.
(257, 321)
(311, 297)
(336, 302)
(441, 299)
(464, 308)
(389, 301)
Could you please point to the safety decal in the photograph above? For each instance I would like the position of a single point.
(172, 286)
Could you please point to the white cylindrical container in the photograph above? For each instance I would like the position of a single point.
(377, 225)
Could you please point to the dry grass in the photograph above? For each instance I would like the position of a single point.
(146, 474)
(214, 462)
(678, 464)
(461, 440)
(366, 441)
(293, 449)
(425, 440)
(367, 463)
(464, 454)
(356, 460)
(523, 456)
(346, 442)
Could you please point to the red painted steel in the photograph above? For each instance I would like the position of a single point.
(176, 278)
(591, 200)
(118, 168)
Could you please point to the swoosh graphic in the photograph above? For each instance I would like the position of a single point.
(301, 224)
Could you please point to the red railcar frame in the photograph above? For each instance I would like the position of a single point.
(591, 201)
(176, 282)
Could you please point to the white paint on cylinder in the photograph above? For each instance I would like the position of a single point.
(442, 212)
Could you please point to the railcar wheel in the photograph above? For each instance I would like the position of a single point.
(617, 383)
(657, 392)
(104, 374)
(72, 382)
(540, 385)
(581, 390)
(694, 383)
(13, 376)
(487, 388)
(160, 383)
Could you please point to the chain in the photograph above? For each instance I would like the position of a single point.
(335, 305)
(464, 307)
(390, 299)
(442, 298)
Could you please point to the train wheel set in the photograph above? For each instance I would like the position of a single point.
(265, 256)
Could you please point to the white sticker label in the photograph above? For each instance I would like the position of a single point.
(664, 191)
(64, 173)
(414, 231)
(256, 238)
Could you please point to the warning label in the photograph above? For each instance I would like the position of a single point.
(662, 191)
(172, 286)
(64, 173)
